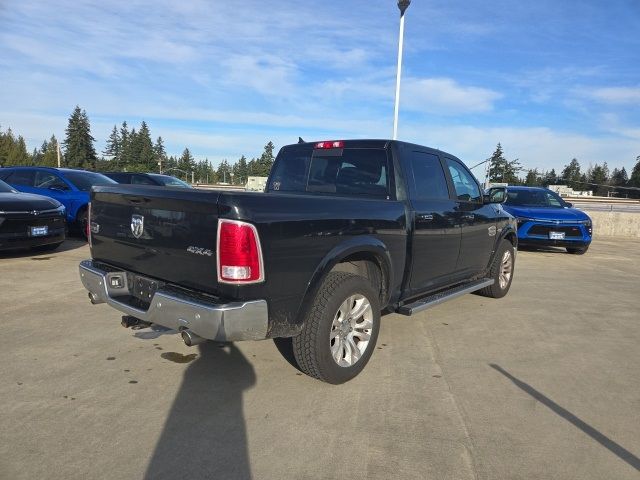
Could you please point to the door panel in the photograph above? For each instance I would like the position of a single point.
(477, 221)
(436, 234)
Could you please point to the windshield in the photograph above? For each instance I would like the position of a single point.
(169, 181)
(4, 188)
(85, 180)
(533, 198)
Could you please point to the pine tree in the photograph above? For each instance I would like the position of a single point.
(619, 178)
(145, 160)
(79, 149)
(571, 174)
(159, 154)
(502, 170)
(265, 162)
(550, 178)
(634, 180)
(18, 154)
(224, 172)
(6, 144)
(533, 178)
(241, 171)
(113, 146)
(598, 177)
(50, 154)
(125, 147)
(186, 162)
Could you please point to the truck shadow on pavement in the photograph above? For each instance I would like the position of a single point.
(204, 435)
(615, 448)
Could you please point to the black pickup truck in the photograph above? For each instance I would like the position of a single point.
(345, 230)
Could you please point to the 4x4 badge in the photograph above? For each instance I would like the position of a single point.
(137, 225)
(492, 231)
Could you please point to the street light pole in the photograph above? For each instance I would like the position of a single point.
(402, 5)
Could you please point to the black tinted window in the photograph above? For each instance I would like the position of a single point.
(4, 188)
(466, 187)
(85, 180)
(49, 180)
(21, 177)
(349, 171)
(428, 176)
(533, 198)
(141, 180)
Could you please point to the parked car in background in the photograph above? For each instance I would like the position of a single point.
(30, 221)
(147, 179)
(545, 219)
(68, 186)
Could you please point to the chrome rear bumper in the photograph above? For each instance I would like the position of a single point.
(225, 322)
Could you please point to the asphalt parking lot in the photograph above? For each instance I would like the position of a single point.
(542, 384)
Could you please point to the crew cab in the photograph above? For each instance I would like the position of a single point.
(344, 231)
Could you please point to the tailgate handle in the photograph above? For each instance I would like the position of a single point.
(137, 199)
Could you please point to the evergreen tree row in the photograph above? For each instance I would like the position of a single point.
(128, 150)
(597, 178)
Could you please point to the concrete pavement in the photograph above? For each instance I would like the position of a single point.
(541, 384)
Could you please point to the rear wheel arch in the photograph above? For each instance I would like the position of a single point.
(370, 260)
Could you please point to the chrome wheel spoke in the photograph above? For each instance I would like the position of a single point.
(354, 350)
(360, 307)
(361, 336)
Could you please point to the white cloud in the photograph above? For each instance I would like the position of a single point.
(445, 96)
(614, 95)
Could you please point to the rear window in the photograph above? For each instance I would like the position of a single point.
(348, 171)
(85, 180)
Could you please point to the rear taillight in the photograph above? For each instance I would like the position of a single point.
(239, 253)
(88, 225)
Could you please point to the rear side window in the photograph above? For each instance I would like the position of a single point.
(467, 189)
(348, 171)
(49, 180)
(428, 176)
(141, 180)
(21, 177)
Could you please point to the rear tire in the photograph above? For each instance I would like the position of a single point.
(501, 271)
(341, 329)
(81, 223)
(577, 251)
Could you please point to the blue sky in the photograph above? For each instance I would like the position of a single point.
(549, 79)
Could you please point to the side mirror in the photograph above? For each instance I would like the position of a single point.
(495, 195)
(568, 204)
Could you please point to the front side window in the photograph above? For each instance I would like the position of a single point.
(428, 176)
(467, 189)
(21, 177)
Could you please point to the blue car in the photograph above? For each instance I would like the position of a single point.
(70, 187)
(545, 219)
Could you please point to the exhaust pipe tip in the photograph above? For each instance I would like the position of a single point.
(94, 298)
(191, 339)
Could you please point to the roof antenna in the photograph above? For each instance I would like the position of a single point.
(300, 140)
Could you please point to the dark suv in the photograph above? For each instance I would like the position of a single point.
(156, 179)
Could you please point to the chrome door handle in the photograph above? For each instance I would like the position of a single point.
(468, 216)
(425, 217)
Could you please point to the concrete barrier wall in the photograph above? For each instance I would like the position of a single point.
(615, 224)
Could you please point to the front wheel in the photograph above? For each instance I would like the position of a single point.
(340, 332)
(501, 271)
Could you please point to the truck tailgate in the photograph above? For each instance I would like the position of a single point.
(165, 233)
